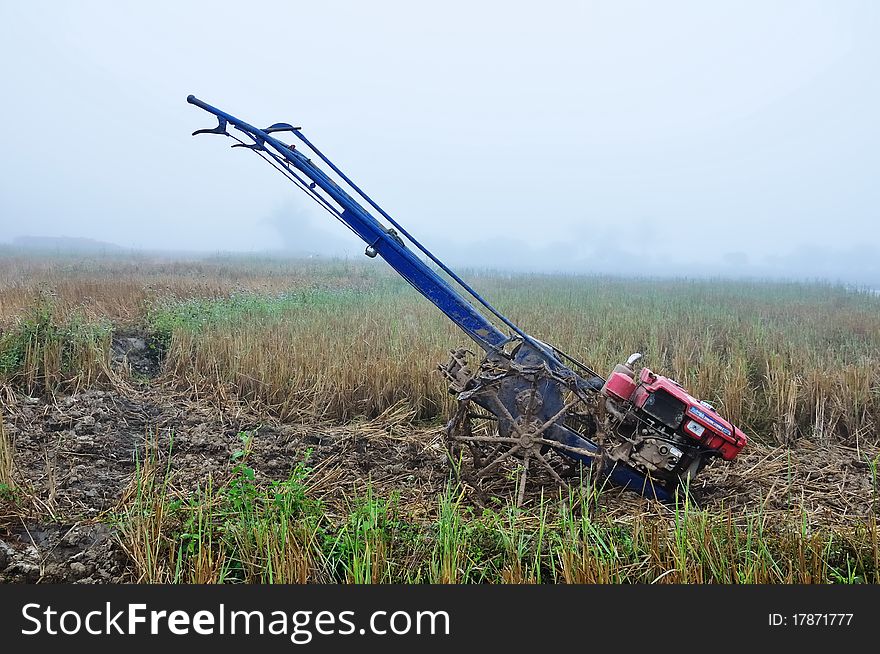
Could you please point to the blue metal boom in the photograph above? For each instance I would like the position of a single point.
(380, 240)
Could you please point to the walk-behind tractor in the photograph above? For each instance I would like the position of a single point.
(526, 409)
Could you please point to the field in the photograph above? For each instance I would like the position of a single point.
(278, 420)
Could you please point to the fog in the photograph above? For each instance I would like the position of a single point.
(692, 138)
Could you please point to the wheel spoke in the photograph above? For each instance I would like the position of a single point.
(513, 450)
(553, 420)
(509, 417)
(476, 455)
(487, 439)
(568, 448)
(549, 467)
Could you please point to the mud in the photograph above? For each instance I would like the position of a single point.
(76, 455)
(136, 351)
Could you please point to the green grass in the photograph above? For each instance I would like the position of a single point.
(239, 530)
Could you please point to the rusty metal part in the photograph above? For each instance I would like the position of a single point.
(492, 443)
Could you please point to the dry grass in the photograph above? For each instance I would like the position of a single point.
(7, 461)
(42, 353)
(337, 340)
(142, 532)
(783, 361)
(122, 288)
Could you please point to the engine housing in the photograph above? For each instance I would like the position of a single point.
(658, 428)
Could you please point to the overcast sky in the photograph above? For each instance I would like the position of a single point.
(554, 134)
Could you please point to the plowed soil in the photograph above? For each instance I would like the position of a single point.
(76, 455)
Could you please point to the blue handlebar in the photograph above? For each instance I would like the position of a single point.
(381, 241)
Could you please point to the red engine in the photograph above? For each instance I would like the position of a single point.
(659, 428)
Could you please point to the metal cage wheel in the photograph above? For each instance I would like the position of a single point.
(495, 464)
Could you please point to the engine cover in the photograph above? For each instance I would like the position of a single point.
(666, 401)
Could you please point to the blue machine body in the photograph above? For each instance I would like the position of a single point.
(388, 244)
